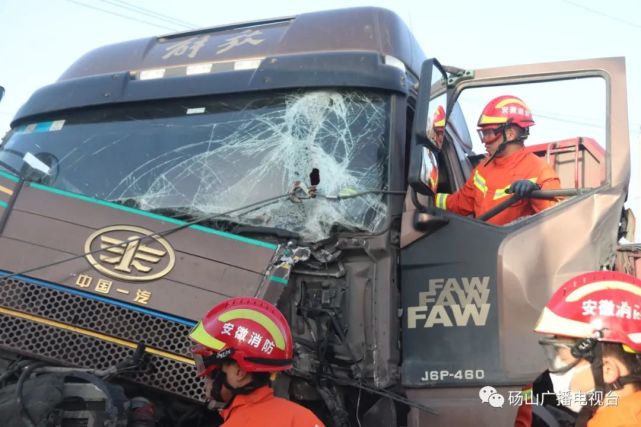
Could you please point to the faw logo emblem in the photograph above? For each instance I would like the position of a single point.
(127, 253)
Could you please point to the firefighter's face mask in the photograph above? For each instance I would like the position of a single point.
(563, 384)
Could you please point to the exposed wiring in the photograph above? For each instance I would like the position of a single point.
(380, 392)
(358, 404)
(24, 413)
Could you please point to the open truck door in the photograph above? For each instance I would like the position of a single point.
(471, 291)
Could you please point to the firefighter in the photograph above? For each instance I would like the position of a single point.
(508, 168)
(593, 345)
(437, 131)
(240, 344)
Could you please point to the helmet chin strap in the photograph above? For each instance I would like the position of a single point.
(219, 379)
(502, 145)
(591, 350)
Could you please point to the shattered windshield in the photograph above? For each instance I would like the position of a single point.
(213, 155)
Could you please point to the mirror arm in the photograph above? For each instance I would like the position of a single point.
(430, 220)
(417, 203)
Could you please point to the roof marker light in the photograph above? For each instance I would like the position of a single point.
(157, 73)
(247, 64)
(395, 62)
(199, 68)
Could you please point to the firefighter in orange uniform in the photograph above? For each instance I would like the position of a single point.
(240, 344)
(437, 132)
(508, 169)
(593, 345)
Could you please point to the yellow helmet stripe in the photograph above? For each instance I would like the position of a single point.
(599, 286)
(200, 335)
(491, 120)
(511, 101)
(260, 318)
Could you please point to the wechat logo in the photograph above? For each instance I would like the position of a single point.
(489, 395)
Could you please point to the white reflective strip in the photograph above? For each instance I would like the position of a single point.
(553, 324)
(157, 73)
(247, 64)
(199, 110)
(57, 125)
(198, 68)
(394, 62)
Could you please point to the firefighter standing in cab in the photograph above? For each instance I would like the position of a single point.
(593, 345)
(437, 130)
(240, 344)
(508, 169)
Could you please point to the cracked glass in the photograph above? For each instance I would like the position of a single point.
(209, 156)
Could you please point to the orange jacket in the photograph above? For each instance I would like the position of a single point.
(487, 185)
(626, 413)
(262, 408)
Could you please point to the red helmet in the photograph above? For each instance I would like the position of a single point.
(438, 121)
(506, 109)
(605, 305)
(250, 331)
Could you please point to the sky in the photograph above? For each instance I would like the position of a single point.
(41, 38)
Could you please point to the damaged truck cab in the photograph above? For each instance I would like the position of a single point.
(289, 159)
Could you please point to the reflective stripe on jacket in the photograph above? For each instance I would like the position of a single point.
(487, 185)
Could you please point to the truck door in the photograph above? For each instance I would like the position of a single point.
(472, 291)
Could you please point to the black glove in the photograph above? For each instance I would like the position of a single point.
(523, 188)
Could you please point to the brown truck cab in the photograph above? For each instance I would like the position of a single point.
(286, 159)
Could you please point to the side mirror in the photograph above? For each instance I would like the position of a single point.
(1, 92)
(428, 220)
(428, 118)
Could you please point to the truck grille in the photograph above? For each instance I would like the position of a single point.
(47, 341)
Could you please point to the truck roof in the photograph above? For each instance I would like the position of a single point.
(362, 47)
(362, 29)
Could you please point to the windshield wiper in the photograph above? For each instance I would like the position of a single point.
(232, 225)
(339, 227)
(257, 229)
(9, 168)
(181, 213)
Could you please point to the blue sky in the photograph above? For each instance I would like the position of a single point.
(40, 38)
